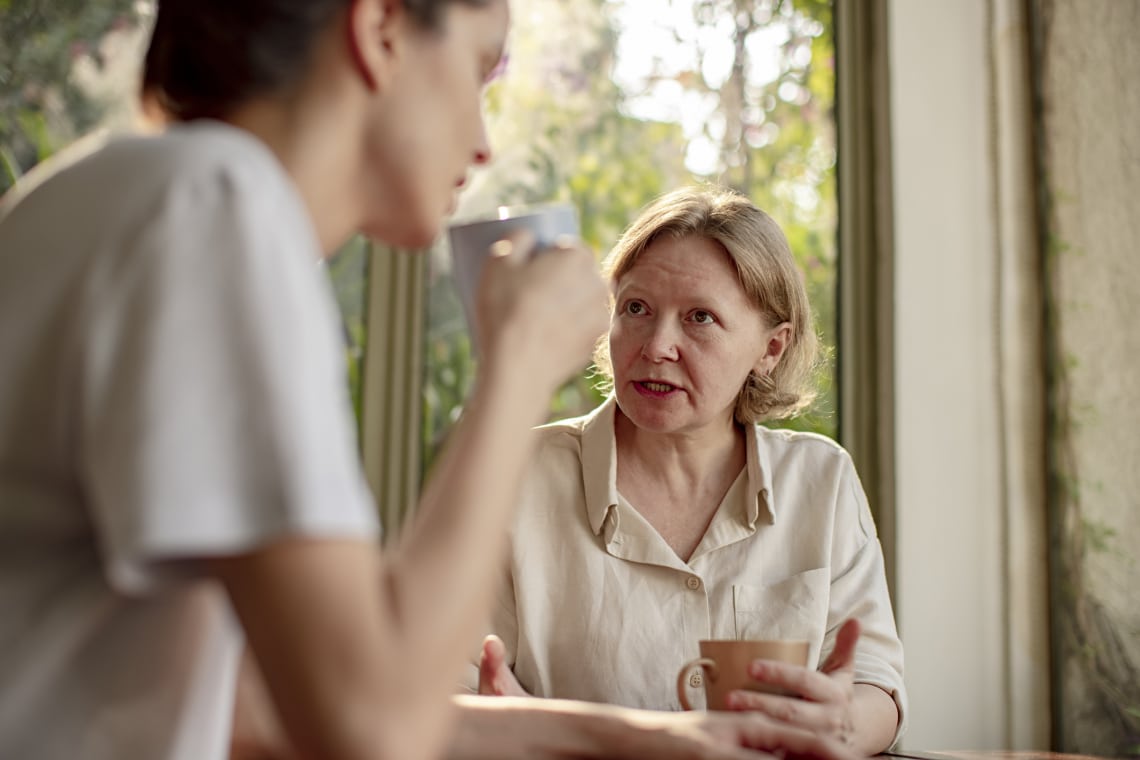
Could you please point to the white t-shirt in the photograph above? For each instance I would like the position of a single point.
(171, 387)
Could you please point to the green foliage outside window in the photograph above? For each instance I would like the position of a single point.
(43, 103)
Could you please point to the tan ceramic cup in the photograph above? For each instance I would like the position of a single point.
(723, 667)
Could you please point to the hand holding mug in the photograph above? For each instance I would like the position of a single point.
(724, 667)
(545, 310)
(819, 701)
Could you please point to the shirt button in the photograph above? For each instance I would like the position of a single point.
(693, 582)
(695, 680)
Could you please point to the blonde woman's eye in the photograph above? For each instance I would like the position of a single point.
(703, 318)
(635, 308)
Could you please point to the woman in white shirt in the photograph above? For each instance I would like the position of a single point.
(176, 444)
(670, 514)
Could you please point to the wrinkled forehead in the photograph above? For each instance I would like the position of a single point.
(698, 246)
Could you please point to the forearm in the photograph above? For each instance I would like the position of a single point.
(526, 728)
(506, 728)
(256, 732)
(875, 718)
(361, 652)
(439, 579)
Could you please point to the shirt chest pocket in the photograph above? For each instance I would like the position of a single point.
(794, 608)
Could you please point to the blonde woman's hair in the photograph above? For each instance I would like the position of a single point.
(767, 271)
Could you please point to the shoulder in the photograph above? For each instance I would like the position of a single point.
(565, 448)
(184, 151)
(558, 441)
(117, 184)
(202, 161)
(193, 150)
(816, 473)
(568, 428)
(205, 195)
(592, 432)
(801, 448)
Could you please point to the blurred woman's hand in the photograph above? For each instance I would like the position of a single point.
(540, 314)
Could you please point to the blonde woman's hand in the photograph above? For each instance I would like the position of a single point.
(540, 314)
(496, 679)
(822, 701)
(728, 736)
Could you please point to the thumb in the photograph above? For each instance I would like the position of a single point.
(491, 661)
(843, 655)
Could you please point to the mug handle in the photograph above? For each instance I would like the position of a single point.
(706, 664)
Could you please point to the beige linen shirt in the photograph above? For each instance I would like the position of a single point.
(597, 606)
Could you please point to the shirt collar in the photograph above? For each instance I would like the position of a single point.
(599, 464)
(599, 469)
(759, 464)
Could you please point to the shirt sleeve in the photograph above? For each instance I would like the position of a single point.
(215, 408)
(859, 590)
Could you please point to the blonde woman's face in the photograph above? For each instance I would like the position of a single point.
(683, 338)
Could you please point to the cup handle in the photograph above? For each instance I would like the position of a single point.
(706, 664)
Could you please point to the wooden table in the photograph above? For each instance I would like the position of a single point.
(971, 754)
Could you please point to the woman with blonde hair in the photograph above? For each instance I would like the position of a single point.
(671, 514)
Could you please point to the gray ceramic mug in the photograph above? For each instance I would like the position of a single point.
(471, 242)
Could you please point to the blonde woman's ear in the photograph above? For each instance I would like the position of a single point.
(779, 340)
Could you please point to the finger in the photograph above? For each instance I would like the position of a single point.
(570, 252)
(496, 678)
(798, 681)
(843, 655)
(580, 286)
(565, 243)
(763, 733)
(812, 716)
(708, 736)
(494, 650)
(491, 660)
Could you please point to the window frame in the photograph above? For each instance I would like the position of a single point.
(865, 287)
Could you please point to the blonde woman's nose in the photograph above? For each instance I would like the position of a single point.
(661, 342)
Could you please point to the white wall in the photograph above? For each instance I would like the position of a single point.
(949, 494)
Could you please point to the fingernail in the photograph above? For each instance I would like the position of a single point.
(502, 248)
